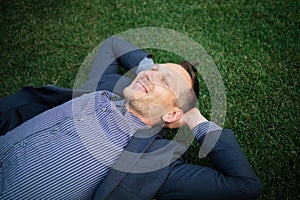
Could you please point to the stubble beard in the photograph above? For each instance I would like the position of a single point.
(141, 107)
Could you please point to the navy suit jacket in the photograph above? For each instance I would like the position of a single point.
(146, 161)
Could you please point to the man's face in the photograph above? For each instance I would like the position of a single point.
(153, 92)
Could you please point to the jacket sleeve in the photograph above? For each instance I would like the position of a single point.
(29, 102)
(114, 53)
(236, 179)
(128, 55)
(105, 73)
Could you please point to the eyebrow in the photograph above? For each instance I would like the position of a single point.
(167, 74)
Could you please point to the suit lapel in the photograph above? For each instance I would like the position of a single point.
(131, 154)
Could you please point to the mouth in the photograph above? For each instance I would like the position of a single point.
(141, 86)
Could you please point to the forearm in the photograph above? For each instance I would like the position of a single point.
(128, 55)
(219, 145)
(224, 152)
(113, 54)
(235, 176)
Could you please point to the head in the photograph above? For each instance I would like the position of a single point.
(164, 93)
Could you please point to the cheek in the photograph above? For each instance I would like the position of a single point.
(160, 96)
(156, 110)
(164, 97)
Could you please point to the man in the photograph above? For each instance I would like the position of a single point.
(100, 145)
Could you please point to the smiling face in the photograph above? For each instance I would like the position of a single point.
(154, 93)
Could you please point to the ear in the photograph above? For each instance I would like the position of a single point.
(173, 115)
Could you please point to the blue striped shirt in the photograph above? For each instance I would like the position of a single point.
(65, 152)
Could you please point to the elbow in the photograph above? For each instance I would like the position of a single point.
(253, 189)
(258, 189)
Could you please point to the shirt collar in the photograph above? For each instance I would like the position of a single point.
(120, 103)
(135, 121)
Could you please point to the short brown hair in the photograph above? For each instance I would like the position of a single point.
(190, 97)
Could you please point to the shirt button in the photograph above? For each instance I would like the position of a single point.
(103, 109)
(23, 144)
(53, 131)
(80, 118)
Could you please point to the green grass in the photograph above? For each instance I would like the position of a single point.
(255, 45)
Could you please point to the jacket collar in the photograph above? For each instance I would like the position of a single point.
(131, 154)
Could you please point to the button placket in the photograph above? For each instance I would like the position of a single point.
(80, 118)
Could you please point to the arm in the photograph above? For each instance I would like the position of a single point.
(29, 102)
(113, 54)
(237, 180)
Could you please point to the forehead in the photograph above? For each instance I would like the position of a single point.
(178, 71)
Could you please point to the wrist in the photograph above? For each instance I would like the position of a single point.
(194, 118)
(145, 64)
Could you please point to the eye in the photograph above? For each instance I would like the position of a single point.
(166, 82)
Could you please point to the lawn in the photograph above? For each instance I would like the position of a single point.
(254, 44)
